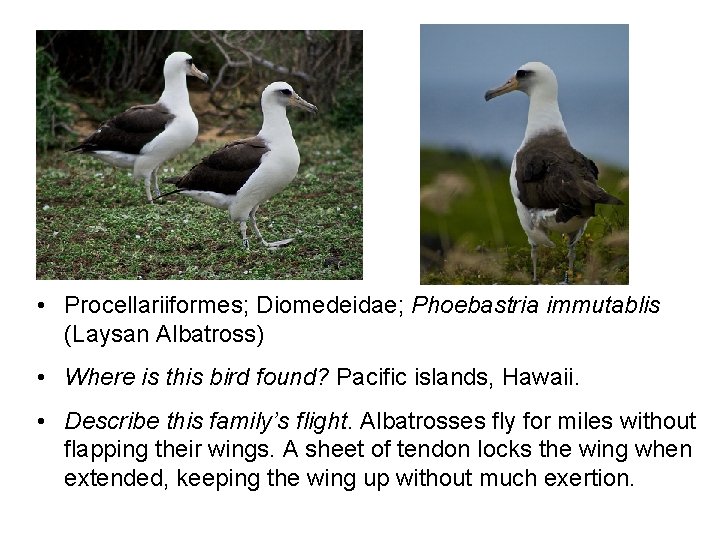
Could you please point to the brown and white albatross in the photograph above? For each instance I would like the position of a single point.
(554, 186)
(145, 136)
(242, 175)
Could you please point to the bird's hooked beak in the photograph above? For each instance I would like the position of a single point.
(509, 86)
(195, 72)
(300, 103)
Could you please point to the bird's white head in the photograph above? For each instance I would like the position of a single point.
(538, 81)
(533, 78)
(182, 62)
(282, 94)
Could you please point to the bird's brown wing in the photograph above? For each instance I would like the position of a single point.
(226, 170)
(129, 131)
(552, 174)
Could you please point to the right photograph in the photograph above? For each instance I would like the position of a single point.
(524, 154)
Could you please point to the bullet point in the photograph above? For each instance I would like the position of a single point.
(41, 305)
(41, 420)
(41, 377)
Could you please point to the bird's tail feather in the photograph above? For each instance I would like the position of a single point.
(599, 196)
(174, 181)
(609, 199)
(168, 193)
(78, 148)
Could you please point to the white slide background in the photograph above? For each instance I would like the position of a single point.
(665, 363)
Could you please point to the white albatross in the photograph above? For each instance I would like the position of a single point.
(242, 175)
(554, 186)
(145, 136)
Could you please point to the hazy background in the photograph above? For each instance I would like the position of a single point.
(460, 62)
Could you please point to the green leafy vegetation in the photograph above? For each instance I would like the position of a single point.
(348, 110)
(52, 115)
(470, 232)
(93, 221)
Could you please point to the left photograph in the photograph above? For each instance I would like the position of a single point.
(199, 155)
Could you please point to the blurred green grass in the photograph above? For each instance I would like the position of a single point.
(93, 221)
(470, 232)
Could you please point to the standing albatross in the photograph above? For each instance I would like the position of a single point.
(145, 136)
(554, 186)
(242, 175)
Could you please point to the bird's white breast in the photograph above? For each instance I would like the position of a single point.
(177, 137)
(522, 211)
(277, 169)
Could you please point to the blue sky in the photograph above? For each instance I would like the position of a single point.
(480, 52)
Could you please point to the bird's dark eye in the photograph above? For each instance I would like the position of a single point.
(189, 61)
(521, 74)
(286, 91)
